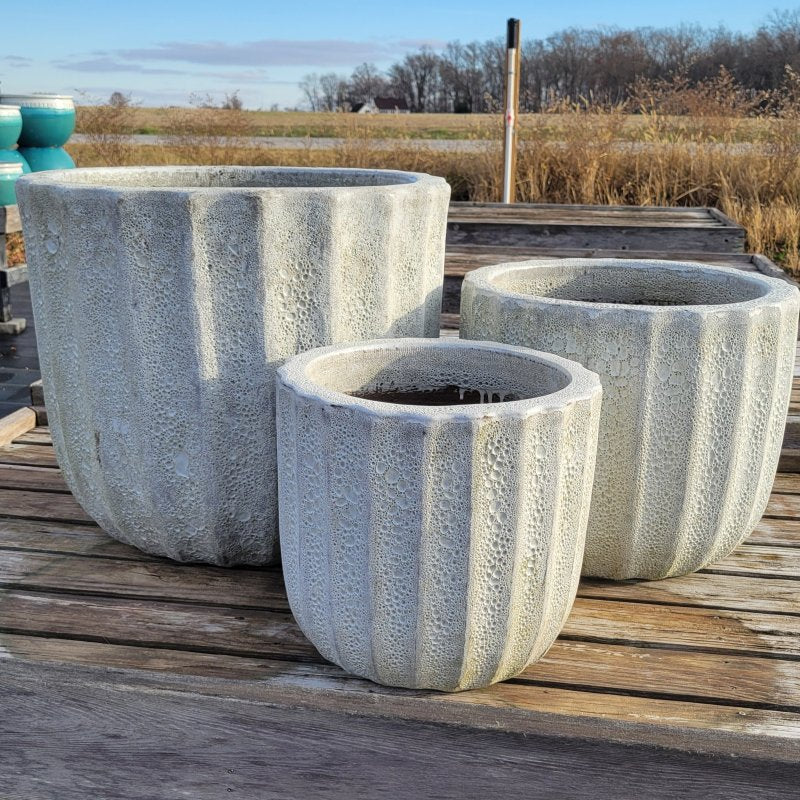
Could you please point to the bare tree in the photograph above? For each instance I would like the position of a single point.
(588, 66)
(366, 83)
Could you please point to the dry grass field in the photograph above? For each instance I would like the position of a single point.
(748, 167)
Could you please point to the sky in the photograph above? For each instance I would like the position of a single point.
(162, 52)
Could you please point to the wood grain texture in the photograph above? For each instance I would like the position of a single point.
(704, 589)
(158, 740)
(89, 627)
(15, 424)
(22, 476)
(644, 670)
(156, 579)
(525, 709)
(565, 235)
(41, 505)
(9, 219)
(31, 454)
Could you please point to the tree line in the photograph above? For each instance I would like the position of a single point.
(593, 67)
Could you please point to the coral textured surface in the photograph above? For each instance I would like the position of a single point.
(434, 546)
(165, 299)
(696, 365)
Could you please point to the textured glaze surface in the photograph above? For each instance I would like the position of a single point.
(40, 159)
(163, 308)
(434, 547)
(48, 120)
(696, 385)
(10, 172)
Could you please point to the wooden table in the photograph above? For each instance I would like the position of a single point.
(582, 226)
(128, 676)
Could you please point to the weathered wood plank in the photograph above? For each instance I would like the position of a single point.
(68, 538)
(38, 435)
(157, 579)
(16, 424)
(779, 532)
(144, 735)
(32, 454)
(244, 586)
(154, 623)
(648, 671)
(704, 589)
(786, 483)
(783, 506)
(674, 215)
(592, 619)
(41, 505)
(711, 630)
(632, 237)
(22, 476)
(461, 259)
(760, 560)
(9, 219)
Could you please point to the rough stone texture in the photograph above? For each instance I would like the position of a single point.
(434, 547)
(696, 365)
(164, 300)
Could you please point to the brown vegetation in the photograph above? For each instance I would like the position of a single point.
(748, 167)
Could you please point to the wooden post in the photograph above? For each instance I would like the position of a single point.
(511, 111)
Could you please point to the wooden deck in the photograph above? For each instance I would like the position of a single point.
(128, 676)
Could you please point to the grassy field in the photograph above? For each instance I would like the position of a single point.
(747, 167)
(551, 126)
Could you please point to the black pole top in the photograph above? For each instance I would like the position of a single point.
(512, 38)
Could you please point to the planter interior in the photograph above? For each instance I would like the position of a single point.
(422, 376)
(629, 284)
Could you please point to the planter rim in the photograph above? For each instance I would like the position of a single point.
(775, 290)
(7, 109)
(107, 179)
(582, 383)
(32, 97)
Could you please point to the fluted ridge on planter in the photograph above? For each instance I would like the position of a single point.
(165, 298)
(694, 395)
(433, 547)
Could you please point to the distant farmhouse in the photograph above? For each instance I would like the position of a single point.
(382, 105)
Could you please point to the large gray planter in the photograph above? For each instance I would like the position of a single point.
(696, 365)
(165, 298)
(434, 546)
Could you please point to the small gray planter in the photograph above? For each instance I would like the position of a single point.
(166, 297)
(696, 365)
(434, 546)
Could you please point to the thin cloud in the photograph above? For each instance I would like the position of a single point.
(276, 52)
(105, 64)
(17, 61)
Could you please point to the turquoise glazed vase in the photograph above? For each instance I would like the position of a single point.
(8, 177)
(10, 126)
(48, 120)
(43, 158)
(14, 157)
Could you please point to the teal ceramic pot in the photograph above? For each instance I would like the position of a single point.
(41, 158)
(14, 157)
(10, 126)
(48, 120)
(8, 177)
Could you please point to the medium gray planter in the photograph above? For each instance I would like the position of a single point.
(434, 546)
(696, 365)
(165, 298)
